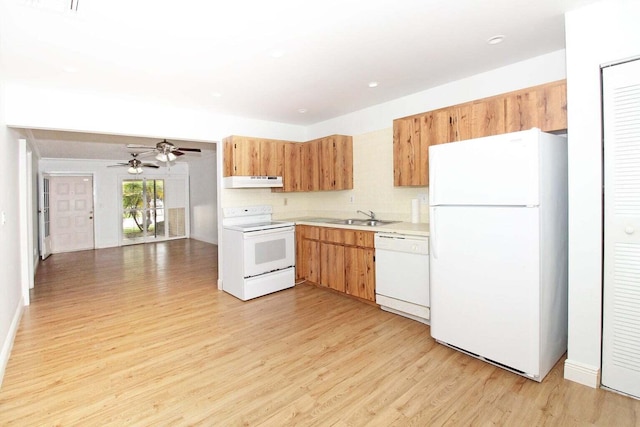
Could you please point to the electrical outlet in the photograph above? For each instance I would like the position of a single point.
(352, 199)
(285, 201)
(424, 198)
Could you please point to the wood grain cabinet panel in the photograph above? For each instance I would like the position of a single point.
(488, 117)
(360, 271)
(335, 163)
(332, 269)
(543, 106)
(292, 169)
(407, 152)
(310, 174)
(337, 258)
(245, 156)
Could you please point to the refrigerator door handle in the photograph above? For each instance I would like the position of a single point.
(432, 235)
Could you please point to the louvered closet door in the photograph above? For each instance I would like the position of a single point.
(621, 321)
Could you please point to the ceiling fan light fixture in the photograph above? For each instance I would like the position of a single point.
(168, 157)
(134, 171)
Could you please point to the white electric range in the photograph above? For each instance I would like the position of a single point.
(258, 255)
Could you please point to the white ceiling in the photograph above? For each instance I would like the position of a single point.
(219, 56)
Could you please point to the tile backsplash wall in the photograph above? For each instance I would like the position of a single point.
(372, 188)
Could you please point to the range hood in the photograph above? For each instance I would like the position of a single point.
(251, 181)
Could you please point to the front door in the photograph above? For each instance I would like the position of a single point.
(70, 213)
(45, 217)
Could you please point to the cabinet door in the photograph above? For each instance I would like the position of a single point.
(328, 159)
(461, 122)
(271, 157)
(246, 156)
(310, 174)
(343, 171)
(407, 152)
(227, 147)
(300, 256)
(544, 107)
(332, 272)
(292, 167)
(488, 117)
(311, 262)
(554, 106)
(360, 272)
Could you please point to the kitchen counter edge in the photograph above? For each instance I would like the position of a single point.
(408, 228)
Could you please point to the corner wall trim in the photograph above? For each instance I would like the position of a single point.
(583, 374)
(7, 345)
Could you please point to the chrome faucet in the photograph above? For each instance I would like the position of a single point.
(371, 215)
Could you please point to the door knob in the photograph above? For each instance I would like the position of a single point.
(629, 229)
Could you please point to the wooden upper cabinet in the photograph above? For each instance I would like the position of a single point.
(488, 117)
(544, 107)
(343, 173)
(244, 156)
(310, 167)
(292, 171)
(335, 162)
(408, 153)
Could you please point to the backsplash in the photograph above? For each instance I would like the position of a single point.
(372, 188)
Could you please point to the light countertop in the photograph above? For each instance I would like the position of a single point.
(419, 229)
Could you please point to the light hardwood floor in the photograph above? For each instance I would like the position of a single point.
(140, 335)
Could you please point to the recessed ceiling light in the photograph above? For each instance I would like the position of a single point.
(70, 69)
(302, 110)
(373, 84)
(277, 53)
(495, 39)
(216, 94)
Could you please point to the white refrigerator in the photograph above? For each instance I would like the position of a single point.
(498, 261)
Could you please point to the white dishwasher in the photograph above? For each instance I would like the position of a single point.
(402, 275)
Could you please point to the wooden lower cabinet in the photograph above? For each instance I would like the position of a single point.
(307, 253)
(339, 259)
(332, 266)
(359, 267)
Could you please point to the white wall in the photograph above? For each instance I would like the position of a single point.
(106, 182)
(531, 72)
(597, 34)
(35, 107)
(203, 176)
(11, 304)
(373, 145)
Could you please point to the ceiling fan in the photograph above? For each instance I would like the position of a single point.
(166, 151)
(135, 165)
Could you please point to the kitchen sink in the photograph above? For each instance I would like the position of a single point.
(350, 221)
(367, 222)
(375, 222)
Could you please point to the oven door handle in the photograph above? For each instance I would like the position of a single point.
(250, 234)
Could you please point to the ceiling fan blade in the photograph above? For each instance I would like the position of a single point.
(148, 147)
(118, 165)
(195, 150)
(178, 153)
(150, 165)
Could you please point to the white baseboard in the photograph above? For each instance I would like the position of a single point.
(206, 239)
(7, 345)
(581, 373)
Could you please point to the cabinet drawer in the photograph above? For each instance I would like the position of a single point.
(346, 237)
(308, 232)
(332, 235)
